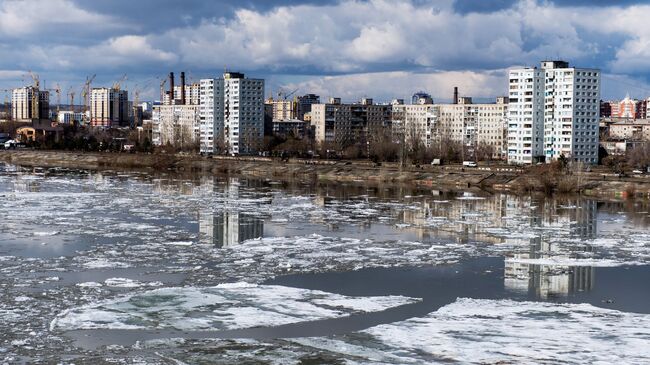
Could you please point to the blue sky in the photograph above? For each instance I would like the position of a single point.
(375, 48)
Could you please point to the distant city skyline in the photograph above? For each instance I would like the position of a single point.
(349, 49)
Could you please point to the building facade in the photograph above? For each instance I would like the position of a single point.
(109, 107)
(29, 103)
(553, 113)
(627, 108)
(231, 114)
(348, 124)
(176, 125)
(470, 124)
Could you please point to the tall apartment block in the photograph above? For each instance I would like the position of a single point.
(554, 112)
(109, 107)
(29, 103)
(231, 114)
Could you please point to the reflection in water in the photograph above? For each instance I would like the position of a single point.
(227, 228)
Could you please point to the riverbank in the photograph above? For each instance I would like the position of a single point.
(497, 177)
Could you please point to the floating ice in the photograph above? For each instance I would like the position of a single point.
(227, 306)
(476, 331)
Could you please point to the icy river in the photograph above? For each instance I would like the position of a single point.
(128, 268)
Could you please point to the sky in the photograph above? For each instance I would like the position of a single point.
(349, 48)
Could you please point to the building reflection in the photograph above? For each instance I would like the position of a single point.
(227, 227)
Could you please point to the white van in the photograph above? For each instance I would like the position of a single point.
(469, 164)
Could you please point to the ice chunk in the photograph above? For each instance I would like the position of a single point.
(502, 331)
(227, 306)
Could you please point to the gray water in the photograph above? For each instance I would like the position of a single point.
(130, 268)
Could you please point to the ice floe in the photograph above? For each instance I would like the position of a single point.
(478, 331)
(227, 306)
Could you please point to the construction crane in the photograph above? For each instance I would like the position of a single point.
(86, 92)
(57, 91)
(34, 76)
(118, 84)
(71, 94)
(162, 90)
(285, 96)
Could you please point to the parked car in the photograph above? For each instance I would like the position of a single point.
(469, 164)
(12, 143)
(637, 172)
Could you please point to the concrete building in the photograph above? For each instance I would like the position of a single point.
(294, 127)
(177, 125)
(347, 124)
(69, 117)
(231, 114)
(634, 130)
(282, 109)
(304, 103)
(109, 107)
(465, 122)
(553, 112)
(29, 103)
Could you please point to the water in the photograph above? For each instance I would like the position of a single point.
(129, 268)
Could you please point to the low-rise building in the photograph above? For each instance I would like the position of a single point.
(292, 127)
(637, 130)
(69, 117)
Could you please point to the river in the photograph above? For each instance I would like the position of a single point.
(109, 267)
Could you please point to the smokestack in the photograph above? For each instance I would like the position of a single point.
(171, 88)
(455, 95)
(182, 88)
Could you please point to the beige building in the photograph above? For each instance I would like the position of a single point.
(176, 125)
(109, 107)
(465, 122)
(192, 95)
(631, 130)
(29, 103)
(283, 109)
(347, 124)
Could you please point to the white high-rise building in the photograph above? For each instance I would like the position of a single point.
(109, 107)
(176, 125)
(525, 115)
(231, 114)
(553, 112)
(29, 103)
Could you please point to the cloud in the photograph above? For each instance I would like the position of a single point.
(20, 18)
(325, 43)
(384, 86)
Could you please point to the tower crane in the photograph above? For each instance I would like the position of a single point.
(71, 94)
(118, 84)
(86, 91)
(162, 90)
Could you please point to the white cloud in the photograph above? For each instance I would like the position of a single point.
(31, 17)
(383, 86)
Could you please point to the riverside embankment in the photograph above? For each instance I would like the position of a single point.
(496, 177)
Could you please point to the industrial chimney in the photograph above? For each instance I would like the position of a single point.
(171, 88)
(455, 95)
(182, 88)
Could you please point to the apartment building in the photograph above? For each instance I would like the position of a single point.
(109, 107)
(347, 124)
(553, 112)
(231, 114)
(29, 104)
(177, 125)
(465, 122)
(282, 109)
(627, 108)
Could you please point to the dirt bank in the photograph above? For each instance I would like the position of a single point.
(493, 178)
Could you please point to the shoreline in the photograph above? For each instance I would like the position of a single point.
(492, 178)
